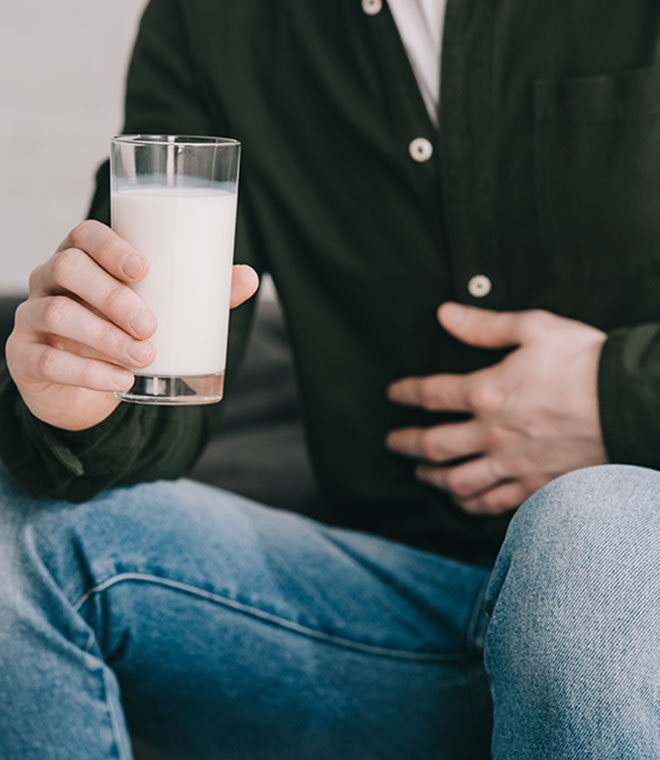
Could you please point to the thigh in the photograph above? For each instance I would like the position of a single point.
(239, 631)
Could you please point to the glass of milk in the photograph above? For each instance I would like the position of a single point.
(174, 199)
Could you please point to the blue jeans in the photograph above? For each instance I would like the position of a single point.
(216, 628)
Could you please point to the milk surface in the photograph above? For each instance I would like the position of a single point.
(187, 235)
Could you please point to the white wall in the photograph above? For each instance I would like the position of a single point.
(62, 65)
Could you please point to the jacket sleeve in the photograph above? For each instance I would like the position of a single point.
(136, 443)
(629, 395)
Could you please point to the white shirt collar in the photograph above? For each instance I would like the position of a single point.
(420, 24)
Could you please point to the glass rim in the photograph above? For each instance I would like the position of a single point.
(191, 141)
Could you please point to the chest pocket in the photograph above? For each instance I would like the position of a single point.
(597, 153)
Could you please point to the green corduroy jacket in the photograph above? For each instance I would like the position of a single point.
(544, 176)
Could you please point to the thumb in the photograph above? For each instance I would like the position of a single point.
(482, 327)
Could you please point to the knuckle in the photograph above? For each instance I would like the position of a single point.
(55, 312)
(109, 340)
(539, 315)
(76, 235)
(427, 394)
(455, 483)
(115, 300)
(496, 437)
(536, 320)
(496, 469)
(65, 264)
(492, 503)
(80, 233)
(485, 398)
(427, 445)
(21, 315)
(89, 377)
(35, 276)
(474, 397)
(47, 363)
(16, 357)
(532, 484)
(11, 348)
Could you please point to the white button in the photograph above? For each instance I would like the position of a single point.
(372, 7)
(480, 286)
(420, 149)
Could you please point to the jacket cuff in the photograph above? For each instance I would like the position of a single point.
(60, 453)
(629, 395)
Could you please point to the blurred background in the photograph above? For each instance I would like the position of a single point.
(61, 93)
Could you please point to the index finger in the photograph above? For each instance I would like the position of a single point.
(110, 251)
(435, 392)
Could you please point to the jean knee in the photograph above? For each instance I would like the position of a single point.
(578, 573)
(594, 514)
(125, 530)
(596, 520)
(43, 543)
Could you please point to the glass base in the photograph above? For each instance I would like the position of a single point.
(169, 390)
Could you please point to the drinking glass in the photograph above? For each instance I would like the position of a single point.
(174, 199)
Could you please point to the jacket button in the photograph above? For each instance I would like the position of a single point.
(372, 7)
(479, 286)
(420, 149)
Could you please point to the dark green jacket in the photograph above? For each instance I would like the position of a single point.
(545, 176)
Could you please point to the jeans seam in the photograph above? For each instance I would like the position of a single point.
(475, 633)
(114, 723)
(90, 642)
(267, 617)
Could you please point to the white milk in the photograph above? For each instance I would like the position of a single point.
(187, 235)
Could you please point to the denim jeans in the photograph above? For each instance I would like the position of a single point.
(213, 627)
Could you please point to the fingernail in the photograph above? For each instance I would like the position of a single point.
(133, 265)
(139, 351)
(143, 322)
(122, 379)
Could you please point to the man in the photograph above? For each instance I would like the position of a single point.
(528, 214)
